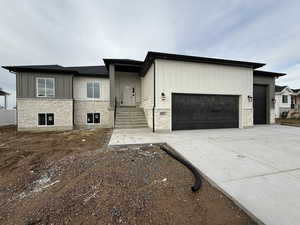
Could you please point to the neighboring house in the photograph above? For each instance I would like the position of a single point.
(286, 100)
(296, 100)
(4, 95)
(164, 92)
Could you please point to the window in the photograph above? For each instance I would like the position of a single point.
(284, 99)
(93, 90)
(93, 118)
(45, 87)
(46, 119)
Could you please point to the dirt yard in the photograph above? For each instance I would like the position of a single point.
(289, 122)
(72, 178)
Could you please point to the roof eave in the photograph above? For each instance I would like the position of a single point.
(268, 73)
(159, 55)
(14, 69)
(91, 75)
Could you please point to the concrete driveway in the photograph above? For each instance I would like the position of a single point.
(259, 168)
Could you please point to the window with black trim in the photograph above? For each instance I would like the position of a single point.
(46, 119)
(93, 118)
(284, 99)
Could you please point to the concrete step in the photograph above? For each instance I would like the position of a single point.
(130, 126)
(130, 118)
(130, 110)
(132, 123)
(130, 113)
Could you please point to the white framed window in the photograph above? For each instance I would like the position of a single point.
(45, 87)
(46, 119)
(93, 118)
(93, 89)
(284, 99)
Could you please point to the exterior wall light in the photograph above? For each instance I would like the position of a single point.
(273, 100)
(163, 96)
(250, 98)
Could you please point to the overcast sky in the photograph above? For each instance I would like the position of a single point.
(77, 32)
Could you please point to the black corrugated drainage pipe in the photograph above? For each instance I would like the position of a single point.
(190, 166)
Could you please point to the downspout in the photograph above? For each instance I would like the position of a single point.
(73, 105)
(154, 96)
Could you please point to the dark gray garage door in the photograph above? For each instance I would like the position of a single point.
(260, 104)
(197, 111)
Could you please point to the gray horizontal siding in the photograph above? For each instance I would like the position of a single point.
(26, 85)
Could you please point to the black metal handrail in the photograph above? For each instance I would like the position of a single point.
(115, 111)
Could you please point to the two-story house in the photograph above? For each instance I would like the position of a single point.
(164, 92)
(287, 99)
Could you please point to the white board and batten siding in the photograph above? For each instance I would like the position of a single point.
(147, 94)
(80, 88)
(204, 78)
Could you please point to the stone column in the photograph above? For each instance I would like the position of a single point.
(112, 85)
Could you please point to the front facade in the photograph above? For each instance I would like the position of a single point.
(173, 92)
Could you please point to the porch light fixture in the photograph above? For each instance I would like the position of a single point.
(163, 96)
(250, 98)
(273, 100)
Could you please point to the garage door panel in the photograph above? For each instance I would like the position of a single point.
(193, 111)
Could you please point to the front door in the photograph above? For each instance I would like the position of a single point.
(128, 96)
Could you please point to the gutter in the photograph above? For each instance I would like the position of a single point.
(73, 105)
(154, 102)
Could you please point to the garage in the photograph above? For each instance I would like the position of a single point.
(260, 104)
(202, 111)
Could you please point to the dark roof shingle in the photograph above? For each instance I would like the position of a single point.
(279, 88)
(267, 73)
(89, 70)
(100, 71)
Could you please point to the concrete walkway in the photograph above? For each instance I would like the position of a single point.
(259, 167)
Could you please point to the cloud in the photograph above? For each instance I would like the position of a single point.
(293, 77)
(76, 32)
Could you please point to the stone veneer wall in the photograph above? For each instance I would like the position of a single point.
(247, 118)
(28, 109)
(82, 107)
(163, 120)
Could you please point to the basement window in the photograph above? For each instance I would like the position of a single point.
(93, 89)
(45, 87)
(46, 119)
(93, 118)
(284, 99)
